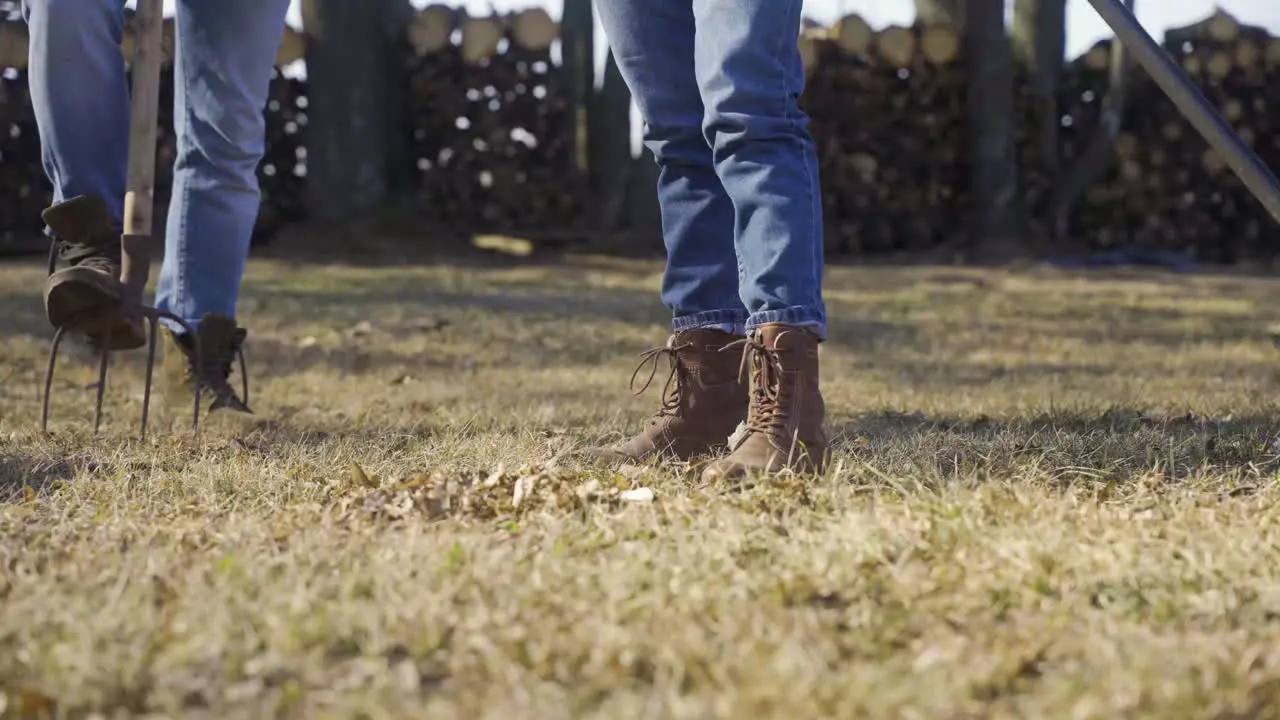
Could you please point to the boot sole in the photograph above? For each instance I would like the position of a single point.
(83, 304)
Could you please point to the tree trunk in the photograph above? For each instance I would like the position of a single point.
(611, 142)
(577, 47)
(1039, 43)
(353, 130)
(948, 13)
(1093, 162)
(993, 174)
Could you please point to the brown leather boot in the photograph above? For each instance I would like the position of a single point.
(784, 423)
(704, 399)
(86, 294)
(221, 343)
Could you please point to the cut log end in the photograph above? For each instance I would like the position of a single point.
(293, 47)
(480, 38)
(852, 35)
(940, 45)
(809, 50)
(430, 28)
(534, 30)
(14, 44)
(896, 46)
(1222, 27)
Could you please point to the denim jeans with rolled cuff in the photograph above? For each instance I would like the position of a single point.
(717, 83)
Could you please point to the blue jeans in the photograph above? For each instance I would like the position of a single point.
(225, 51)
(717, 83)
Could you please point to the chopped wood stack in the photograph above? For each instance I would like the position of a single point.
(283, 171)
(888, 112)
(489, 117)
(23, 188)
(888, 116)
(1168, 189)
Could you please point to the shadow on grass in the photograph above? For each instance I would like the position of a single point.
(21, 475)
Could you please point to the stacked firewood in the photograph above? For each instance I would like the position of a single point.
(23, 188)
(1167, 189)
(888, 114)
(489, 115)
(888, 111)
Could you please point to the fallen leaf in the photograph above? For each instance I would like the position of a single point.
(35, 704)
(640, 495)
(360, 478)
(523, 489)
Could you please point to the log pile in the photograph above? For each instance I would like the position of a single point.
(888, 116)
(1168, 190)
(488, 114)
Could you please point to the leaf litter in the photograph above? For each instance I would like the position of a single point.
(485, 494)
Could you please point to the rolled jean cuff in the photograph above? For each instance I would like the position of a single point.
(733, 322)
(813, 320)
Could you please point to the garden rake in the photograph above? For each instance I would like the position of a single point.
(135, 241)
(1192, 104)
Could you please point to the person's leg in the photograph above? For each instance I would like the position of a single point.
(653, 44)
(80, 97)
(224, 54)
(81, 102)
(750, 76)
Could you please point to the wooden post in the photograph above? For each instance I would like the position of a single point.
(1039, 42)
(610, 136)
(577, 48)
(993, 179)
(139, 197)
(351, 91)
(144, 115)
(1070, 187)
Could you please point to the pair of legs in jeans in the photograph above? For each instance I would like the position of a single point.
(225, 51)
(717, 83)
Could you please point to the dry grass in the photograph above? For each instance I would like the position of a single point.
(1054, 497)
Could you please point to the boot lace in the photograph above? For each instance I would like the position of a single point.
(762, 365)
(673, 387)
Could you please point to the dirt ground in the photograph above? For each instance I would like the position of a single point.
(1053, 496)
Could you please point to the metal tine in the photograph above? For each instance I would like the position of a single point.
(153, 332)
(196, 350)
(48, 378)
(103, 363)
(152, 317)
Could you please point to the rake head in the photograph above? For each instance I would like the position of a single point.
(135, 270)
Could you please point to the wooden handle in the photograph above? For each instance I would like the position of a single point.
(147, 58)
